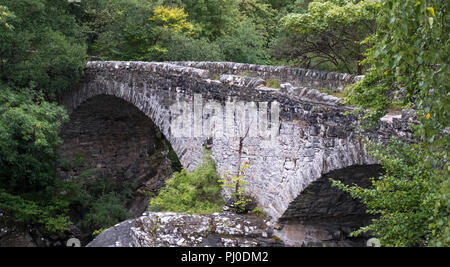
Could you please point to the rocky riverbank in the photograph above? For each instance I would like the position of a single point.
(170, 229)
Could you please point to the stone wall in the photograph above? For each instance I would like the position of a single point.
(297, 76)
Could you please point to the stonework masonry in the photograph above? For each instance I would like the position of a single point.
(315, 135)
(312, 79)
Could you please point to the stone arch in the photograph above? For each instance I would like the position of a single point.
(278, 175)
(151, 102)
(324, 215)
(110, 142)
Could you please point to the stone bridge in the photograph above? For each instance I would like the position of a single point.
(310, 136)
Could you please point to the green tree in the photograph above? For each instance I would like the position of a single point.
(262, 15)
(143, 30)
(328, 35)
(42, 54)
(172, 18)
(297, 6)
(244, 44)
(29, 128)
(409, 64)
(119, 30)
(279, 4)
(41, 46)
(28, 140)
(212, 18)
(181, 47)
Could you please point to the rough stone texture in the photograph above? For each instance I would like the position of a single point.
(12, 237)
(324, 215)
(184, 230)
(314, 137)
(308, 94)
(298, 76)
(242, 81)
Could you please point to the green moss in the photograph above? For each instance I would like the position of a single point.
(80, 159)
(258, 212)
(215, 77)
(246, 74)
(338, 94)
(99, 231)
(272, 83)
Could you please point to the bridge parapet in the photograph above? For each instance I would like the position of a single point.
(297, 76)
(155, 67)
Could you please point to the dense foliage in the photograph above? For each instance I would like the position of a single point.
(42, 53)
(29, 128)
(329, 34)
(191, 192)
(231, 30)
(29, 133)
(41, 46)
(409, 65)
(411, 199)
(98, 200)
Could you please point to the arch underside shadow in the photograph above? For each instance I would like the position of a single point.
(153, 103)
(324, 215)
(110, 138)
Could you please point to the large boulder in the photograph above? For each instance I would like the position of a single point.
(186, 230)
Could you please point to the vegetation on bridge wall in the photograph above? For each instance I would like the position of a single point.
(195, 192)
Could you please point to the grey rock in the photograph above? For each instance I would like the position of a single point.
(185, 230)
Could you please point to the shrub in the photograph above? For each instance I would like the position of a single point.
(191, 192)
(258, 212)
(49, 215)
(236, 183)
(106, 211)
(99, 202)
